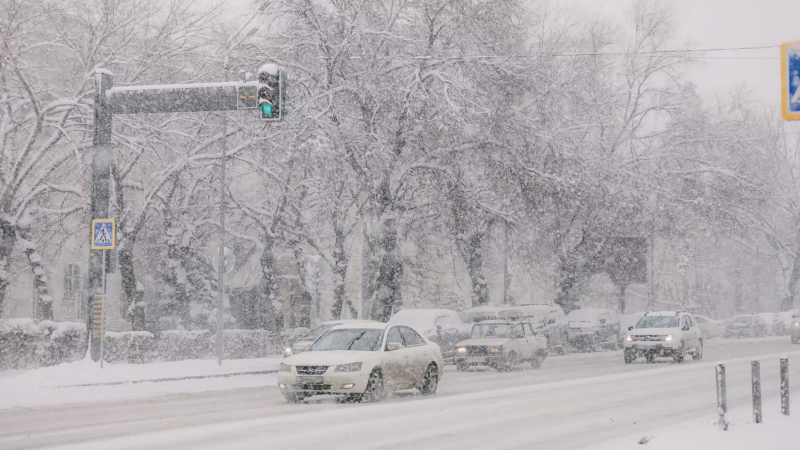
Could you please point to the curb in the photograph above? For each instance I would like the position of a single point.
(161, 380)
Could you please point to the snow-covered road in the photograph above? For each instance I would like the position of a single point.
(575, 401)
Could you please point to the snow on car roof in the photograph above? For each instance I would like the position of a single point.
(484, 309)
(421, 312)
(347, 321)
(371, 325)
(662, 313)
(496, 321)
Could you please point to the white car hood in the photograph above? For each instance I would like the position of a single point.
(653, 331)
(583, 324)
(331, 358)
(484, 341)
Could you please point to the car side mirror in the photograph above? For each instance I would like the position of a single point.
(392, 346)
(630, 328)
(685, 328)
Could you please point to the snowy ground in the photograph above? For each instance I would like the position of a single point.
(574, 402)
(65, 383)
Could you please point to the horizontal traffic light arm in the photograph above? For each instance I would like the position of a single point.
(173, 98)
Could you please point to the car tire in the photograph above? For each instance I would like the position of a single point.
(295, 397)
(698, 354)
(431, 381)
(537, 361)
(509, 364)
(679, 356)
(595, 345)
(376, 389)
(629, 356)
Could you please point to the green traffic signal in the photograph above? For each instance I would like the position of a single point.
(266, 109)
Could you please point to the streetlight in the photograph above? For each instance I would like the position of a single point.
(221, 265)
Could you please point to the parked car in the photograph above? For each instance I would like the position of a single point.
(501, 344)
(710, 328)
(591, 329)
(771, 320)
(788, 318)
(552, 322)
(746, 325)
(362, 361)
(670, 334)
(302, 343)
(481, 313)
(442, 326)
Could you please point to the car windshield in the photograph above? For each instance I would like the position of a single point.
(500, 330)
(744, 320)
(317, 332)
(364, 340)
(658, 322)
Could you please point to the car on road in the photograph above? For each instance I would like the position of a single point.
(709, 327)
(746, 325)
(302, 343)
(668, 334)
(591, 329)
(552, 322)
(362, 362)
(442, 326)
(501, 344)
(481, 313)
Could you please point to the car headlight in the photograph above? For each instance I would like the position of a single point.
(461, 350)
(629, 338)
(668, 338)
(352, 367)
(284, 368)
(496, 350)
(797, 324)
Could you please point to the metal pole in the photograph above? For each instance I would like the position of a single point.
(103, 314)
(785, 386)
(221, 260)
(722, 397)
(101, 175)
(755, 371)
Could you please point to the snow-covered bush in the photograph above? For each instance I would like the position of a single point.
(136, 347)
(177, 345)
(26, 344)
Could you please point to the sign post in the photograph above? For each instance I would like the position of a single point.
(790, 80)
(103, 238)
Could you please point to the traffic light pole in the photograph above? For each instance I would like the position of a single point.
(221, 264)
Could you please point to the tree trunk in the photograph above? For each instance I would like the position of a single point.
(480, 288)
(43, 299)
(264, 310)
(303, 318)
(8, 237)
(387, 297)
(340, 263)
(133, 295)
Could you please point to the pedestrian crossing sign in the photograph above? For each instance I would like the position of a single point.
(104, 234)
(790, 80)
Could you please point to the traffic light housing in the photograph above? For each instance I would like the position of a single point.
(270, 92)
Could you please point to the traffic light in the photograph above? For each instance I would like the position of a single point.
(270, 92)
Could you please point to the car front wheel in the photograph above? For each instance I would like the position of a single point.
(629, 356)
(431, 381)
(376, 390)
(679, 355)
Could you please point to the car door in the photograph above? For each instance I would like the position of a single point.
(419, 356)
(522, 343)
(396, 362)
(695, 331)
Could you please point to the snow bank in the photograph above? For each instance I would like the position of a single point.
(24, 343)
(777, 432)
(57, 384)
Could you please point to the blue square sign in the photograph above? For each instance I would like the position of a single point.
(790, 80)
(104, 234)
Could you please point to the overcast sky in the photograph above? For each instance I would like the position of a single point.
(729, 23)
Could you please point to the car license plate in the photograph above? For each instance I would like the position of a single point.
(476, 359)
(310, 380)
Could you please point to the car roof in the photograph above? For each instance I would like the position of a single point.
(484, 309)
(346, 321)
(430, 311)
(482, 322)
(369, 325)
(664, 313)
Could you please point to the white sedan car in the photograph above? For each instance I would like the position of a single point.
(362, 362)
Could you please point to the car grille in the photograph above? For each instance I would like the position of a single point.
(312, 370)
(477, 350)
(650, 337)
(313, 387)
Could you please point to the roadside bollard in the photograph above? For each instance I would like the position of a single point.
(785, 386)
(722, 397)
(755, 371)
